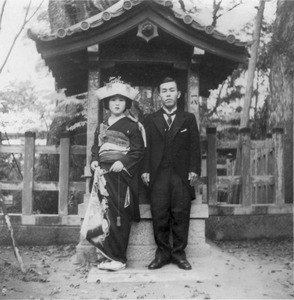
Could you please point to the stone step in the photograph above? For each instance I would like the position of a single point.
(142, 245)
(138, 272)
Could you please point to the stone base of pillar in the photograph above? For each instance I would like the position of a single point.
(85, 252)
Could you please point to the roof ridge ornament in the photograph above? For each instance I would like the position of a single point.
(209, 29)
(61, 32)
(127, 4)
(168, 3)
(85, 25)
(188, 19)
(106, 16)
(147, 31)
(231, 39)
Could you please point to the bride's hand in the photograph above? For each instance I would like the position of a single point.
(94, 165)
(116, 167)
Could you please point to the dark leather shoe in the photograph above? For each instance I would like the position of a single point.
(182, 264)
(158, 263)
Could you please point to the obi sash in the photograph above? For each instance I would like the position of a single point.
(113, 145)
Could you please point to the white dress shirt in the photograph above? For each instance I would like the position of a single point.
(166, 112)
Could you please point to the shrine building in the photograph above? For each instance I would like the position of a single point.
(140, 41)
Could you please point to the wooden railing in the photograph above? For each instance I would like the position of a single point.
(261, 180)
(262, 170)
(28, 185)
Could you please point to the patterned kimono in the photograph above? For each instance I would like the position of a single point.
(116, 191)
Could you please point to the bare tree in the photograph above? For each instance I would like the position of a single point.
(26, 20)
(217, 10)
(248, 93)
(252, 66)
(281, 104)
(2, 12)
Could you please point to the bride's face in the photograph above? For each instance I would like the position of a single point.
(117, 105)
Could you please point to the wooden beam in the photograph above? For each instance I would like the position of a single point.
(279, 166)
(12, 148)
(63, 175)
(246, 171)
(28, 174)
(211, 166)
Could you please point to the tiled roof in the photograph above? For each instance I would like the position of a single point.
(124, 5)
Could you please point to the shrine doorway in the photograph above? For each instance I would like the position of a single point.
(145, 77)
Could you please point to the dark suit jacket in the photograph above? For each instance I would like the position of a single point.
(185, 146)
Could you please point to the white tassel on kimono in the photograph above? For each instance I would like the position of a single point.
(127, 198)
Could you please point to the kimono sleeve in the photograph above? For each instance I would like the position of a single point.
(136, 152)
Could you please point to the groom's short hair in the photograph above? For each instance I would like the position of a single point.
(165, 80)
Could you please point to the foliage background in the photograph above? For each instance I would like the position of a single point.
(29, 101)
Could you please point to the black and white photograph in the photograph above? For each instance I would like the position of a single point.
(146, 149)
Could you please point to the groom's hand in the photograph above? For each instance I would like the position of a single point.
(146, 178)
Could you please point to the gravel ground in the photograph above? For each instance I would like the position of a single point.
(261, 269)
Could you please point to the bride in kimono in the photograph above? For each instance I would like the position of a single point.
(116, 153)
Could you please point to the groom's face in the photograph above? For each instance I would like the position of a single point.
(169, 94)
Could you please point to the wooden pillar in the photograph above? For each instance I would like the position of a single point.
(245, 162)
(85, 252)
(279, 166)
(192, 104)
(254, 170)
(28, 173)
(93, 107)
(230, 172)
(156, 99)
(211, 166)
(269, 168)
(63, 174)
(204, 174)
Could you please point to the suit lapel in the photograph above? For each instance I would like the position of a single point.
(160, 121)
(178, 122)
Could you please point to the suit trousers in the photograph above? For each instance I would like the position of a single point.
(170, 208)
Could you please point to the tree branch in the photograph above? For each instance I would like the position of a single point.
(25, 22)
(216, 8)
(230, 9)
(241, 2)
(182, 5)
(2, 12)
(218, 100)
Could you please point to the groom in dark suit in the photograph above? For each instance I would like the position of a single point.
(171, 167)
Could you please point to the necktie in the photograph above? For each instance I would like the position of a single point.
(169, 118)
